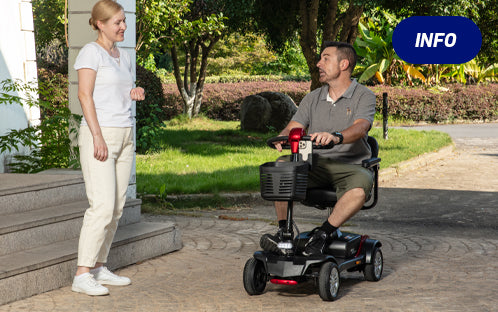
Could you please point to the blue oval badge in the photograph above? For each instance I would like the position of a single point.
(437, 40)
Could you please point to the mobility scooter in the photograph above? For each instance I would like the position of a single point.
(287, 181)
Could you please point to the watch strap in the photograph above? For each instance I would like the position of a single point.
(339, 135)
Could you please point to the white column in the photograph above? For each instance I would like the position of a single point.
(17, 61)
(80, 33)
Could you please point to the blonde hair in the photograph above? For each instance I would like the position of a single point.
(103, 10)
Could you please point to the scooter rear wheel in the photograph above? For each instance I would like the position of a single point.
(329, 281)
(255, 277)
(373, 270)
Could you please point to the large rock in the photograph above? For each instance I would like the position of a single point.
(266, 110)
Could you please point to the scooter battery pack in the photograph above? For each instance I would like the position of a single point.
(345, 246)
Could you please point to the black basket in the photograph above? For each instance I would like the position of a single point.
(283, 181)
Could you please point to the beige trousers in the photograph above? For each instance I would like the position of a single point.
(106, 183)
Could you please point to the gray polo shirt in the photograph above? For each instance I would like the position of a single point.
(319, 115)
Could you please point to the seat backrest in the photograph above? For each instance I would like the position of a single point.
(374, 146)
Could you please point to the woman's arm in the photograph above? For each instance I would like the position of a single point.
(86, 84)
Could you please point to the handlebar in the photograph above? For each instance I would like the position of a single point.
(286, 145)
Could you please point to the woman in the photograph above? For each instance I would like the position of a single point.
(105, 91)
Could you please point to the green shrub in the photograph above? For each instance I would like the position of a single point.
(149, 111)
(53, 89)
(50, 142)
(239, 54)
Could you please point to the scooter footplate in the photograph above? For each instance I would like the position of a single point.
(282, 266)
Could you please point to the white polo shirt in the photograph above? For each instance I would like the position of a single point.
(113, 84)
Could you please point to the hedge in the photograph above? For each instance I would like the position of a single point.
(453, 102)
(222, 101)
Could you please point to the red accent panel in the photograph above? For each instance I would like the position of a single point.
(363, 239)
(295, 136)
(283, 282)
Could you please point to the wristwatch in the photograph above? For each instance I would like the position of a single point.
(339, 135)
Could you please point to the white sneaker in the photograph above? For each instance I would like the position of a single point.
(85, 283)
(106, 277)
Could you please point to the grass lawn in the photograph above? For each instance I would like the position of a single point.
(206, 156)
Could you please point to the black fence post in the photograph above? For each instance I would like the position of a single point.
(384, 115)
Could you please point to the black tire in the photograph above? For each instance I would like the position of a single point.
(329, 281)
(373, 270)
(255, 277)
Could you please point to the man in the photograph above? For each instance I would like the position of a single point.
(341, 111)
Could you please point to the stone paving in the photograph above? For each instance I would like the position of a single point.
(438, 225)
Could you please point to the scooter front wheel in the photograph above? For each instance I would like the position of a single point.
(255, 277)
(329, 281)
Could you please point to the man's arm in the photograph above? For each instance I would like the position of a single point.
(357, 131)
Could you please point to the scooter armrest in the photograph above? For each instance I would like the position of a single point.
(371, 162)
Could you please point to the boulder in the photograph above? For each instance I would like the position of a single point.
(266, 110)
(255, 113)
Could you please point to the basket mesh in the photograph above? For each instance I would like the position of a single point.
(283, 181)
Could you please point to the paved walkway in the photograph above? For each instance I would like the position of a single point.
(438, 225)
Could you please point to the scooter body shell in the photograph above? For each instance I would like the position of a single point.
(350, 252)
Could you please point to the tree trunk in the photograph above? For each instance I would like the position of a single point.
(202, 71)
(342, 27)
(329, 33)
(187, 91)
(350, 23)
(191, 87)
(308, 11)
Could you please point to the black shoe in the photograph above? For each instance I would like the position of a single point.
(270, 242)
(316, 243)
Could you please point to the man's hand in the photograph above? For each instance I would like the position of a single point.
(278, 145)
(324, 138)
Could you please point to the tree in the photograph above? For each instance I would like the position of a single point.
(195, 35)
(154, 19)
(50, 31)
(48, 19)
(316, 21)
(188, 29)
(488, 19)
(482, 12)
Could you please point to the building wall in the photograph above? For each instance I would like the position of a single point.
(80, 33)
(17, 61)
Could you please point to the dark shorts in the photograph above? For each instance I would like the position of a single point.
(341, 177)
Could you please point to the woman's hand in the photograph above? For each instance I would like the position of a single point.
(137, 94)
(100, 151)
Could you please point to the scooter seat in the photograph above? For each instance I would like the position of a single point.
(320, 198)
(324, 198)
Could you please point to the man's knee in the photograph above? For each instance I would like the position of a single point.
(359, 184)
(364, 181)
(357, 193)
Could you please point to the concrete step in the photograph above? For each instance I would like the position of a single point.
(30, 229)
(44, 268)
(25, 192)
